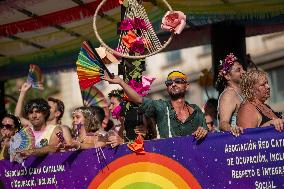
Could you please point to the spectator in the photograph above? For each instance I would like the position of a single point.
(10, 124)
(229, 79)
(56, 112)
(210, 108)
(254, 112)
(46, 141)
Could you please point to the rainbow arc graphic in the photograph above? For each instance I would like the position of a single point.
(152, 170)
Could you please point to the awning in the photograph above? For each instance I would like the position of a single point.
(49, 33)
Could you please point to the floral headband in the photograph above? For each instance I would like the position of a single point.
(85, 112)
(116, 93)
(227, 63)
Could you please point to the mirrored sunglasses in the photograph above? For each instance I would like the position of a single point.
(176, 81)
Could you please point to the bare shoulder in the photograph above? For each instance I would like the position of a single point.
(228, 94)
(57, 129)
(247, 110)
(65, 127)
(228, 99)
(246, 106)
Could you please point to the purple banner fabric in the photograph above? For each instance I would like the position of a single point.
(252, 160)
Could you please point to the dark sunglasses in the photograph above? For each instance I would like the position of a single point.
(177, 81)
(211, 123)
(7, 126)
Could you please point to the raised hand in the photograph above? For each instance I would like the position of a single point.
(25, 87)
(115, 80)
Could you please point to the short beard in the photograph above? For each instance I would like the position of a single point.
(175, 96)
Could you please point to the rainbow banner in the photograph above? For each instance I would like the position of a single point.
(253, 160)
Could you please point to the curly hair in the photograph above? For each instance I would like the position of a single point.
(38, 103)
(249, 80)
(118, 93)
(92, 124)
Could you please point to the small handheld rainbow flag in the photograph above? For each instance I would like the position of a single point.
(35, 77)
(90, 67)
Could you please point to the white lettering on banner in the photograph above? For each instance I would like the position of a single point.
(16, 183)
(237, 174)
(47, 181)
(263, 144)
(277, 143)
(276, 156)
(23, 183)
(53, 168)
(240, 147)
(259, 158)
(272, 171)
(34, 171)
(16, 173)
(257, 154)
(264, 185)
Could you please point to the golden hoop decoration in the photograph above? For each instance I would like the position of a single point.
(123, 55)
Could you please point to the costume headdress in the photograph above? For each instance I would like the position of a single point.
(227, 63)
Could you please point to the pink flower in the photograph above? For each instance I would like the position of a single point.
(116, 112)
(147, 80)
(174, 21)
(138, 46)
(126, 24)
(139, 87)
(139, 24)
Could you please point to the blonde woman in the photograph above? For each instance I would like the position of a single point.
(85, 129)
(254, 112)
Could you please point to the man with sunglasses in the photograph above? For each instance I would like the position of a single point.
(174, 117)
(10, 124)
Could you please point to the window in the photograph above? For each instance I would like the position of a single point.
(173, 57)
(276, 84)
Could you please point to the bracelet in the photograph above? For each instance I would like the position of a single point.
(79, 147)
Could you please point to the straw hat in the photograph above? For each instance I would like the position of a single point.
(106, 56)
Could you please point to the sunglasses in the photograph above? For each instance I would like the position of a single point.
(7, 126)
(210, 123)
(177, 81)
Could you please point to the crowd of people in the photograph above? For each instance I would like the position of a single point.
(241, 105)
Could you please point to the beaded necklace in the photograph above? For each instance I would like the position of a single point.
(265, 110)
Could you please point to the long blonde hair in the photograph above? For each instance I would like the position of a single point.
(249, 80)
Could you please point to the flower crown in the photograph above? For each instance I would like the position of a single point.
(227, 63)
(85, 112)
(117, 93)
